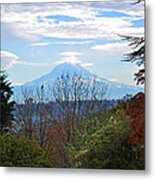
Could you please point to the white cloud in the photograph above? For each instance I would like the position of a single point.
(72, 42)
(40, 44)
(86, 64)
(70, 60)
(61, 42)
(112, 48)
(8, 55)
(69, 57)
(32, 22)
(17, 83)
(9, 59)
(72, 57)
(70, 53)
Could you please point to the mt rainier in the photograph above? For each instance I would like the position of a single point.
(115, 90)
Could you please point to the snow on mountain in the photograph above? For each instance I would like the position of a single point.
(115, 90)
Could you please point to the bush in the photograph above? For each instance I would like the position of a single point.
(21, 152)
(105, 144)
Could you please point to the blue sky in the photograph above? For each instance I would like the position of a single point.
(36, 37)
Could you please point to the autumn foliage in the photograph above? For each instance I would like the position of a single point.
(136, 111)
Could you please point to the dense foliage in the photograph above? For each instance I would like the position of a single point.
(103, 143)
(6, 104)
(104, 139)
(136, 111)
(21, 152)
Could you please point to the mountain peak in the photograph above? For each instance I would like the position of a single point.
(65, 68)
(115, 90)
(71, 69)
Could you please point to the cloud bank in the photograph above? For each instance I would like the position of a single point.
(117, 48)
(84, 20)
(9, 59)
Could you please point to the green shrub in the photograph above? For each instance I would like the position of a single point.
(21, 152)
(103, 143)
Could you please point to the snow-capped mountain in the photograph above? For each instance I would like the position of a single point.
(115, 90)
(64, 68)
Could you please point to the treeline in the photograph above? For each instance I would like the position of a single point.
(81, 135)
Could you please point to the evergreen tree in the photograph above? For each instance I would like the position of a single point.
(137, 54)
(6, 104)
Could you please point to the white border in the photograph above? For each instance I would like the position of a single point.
(26, 1)
(77, 174)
